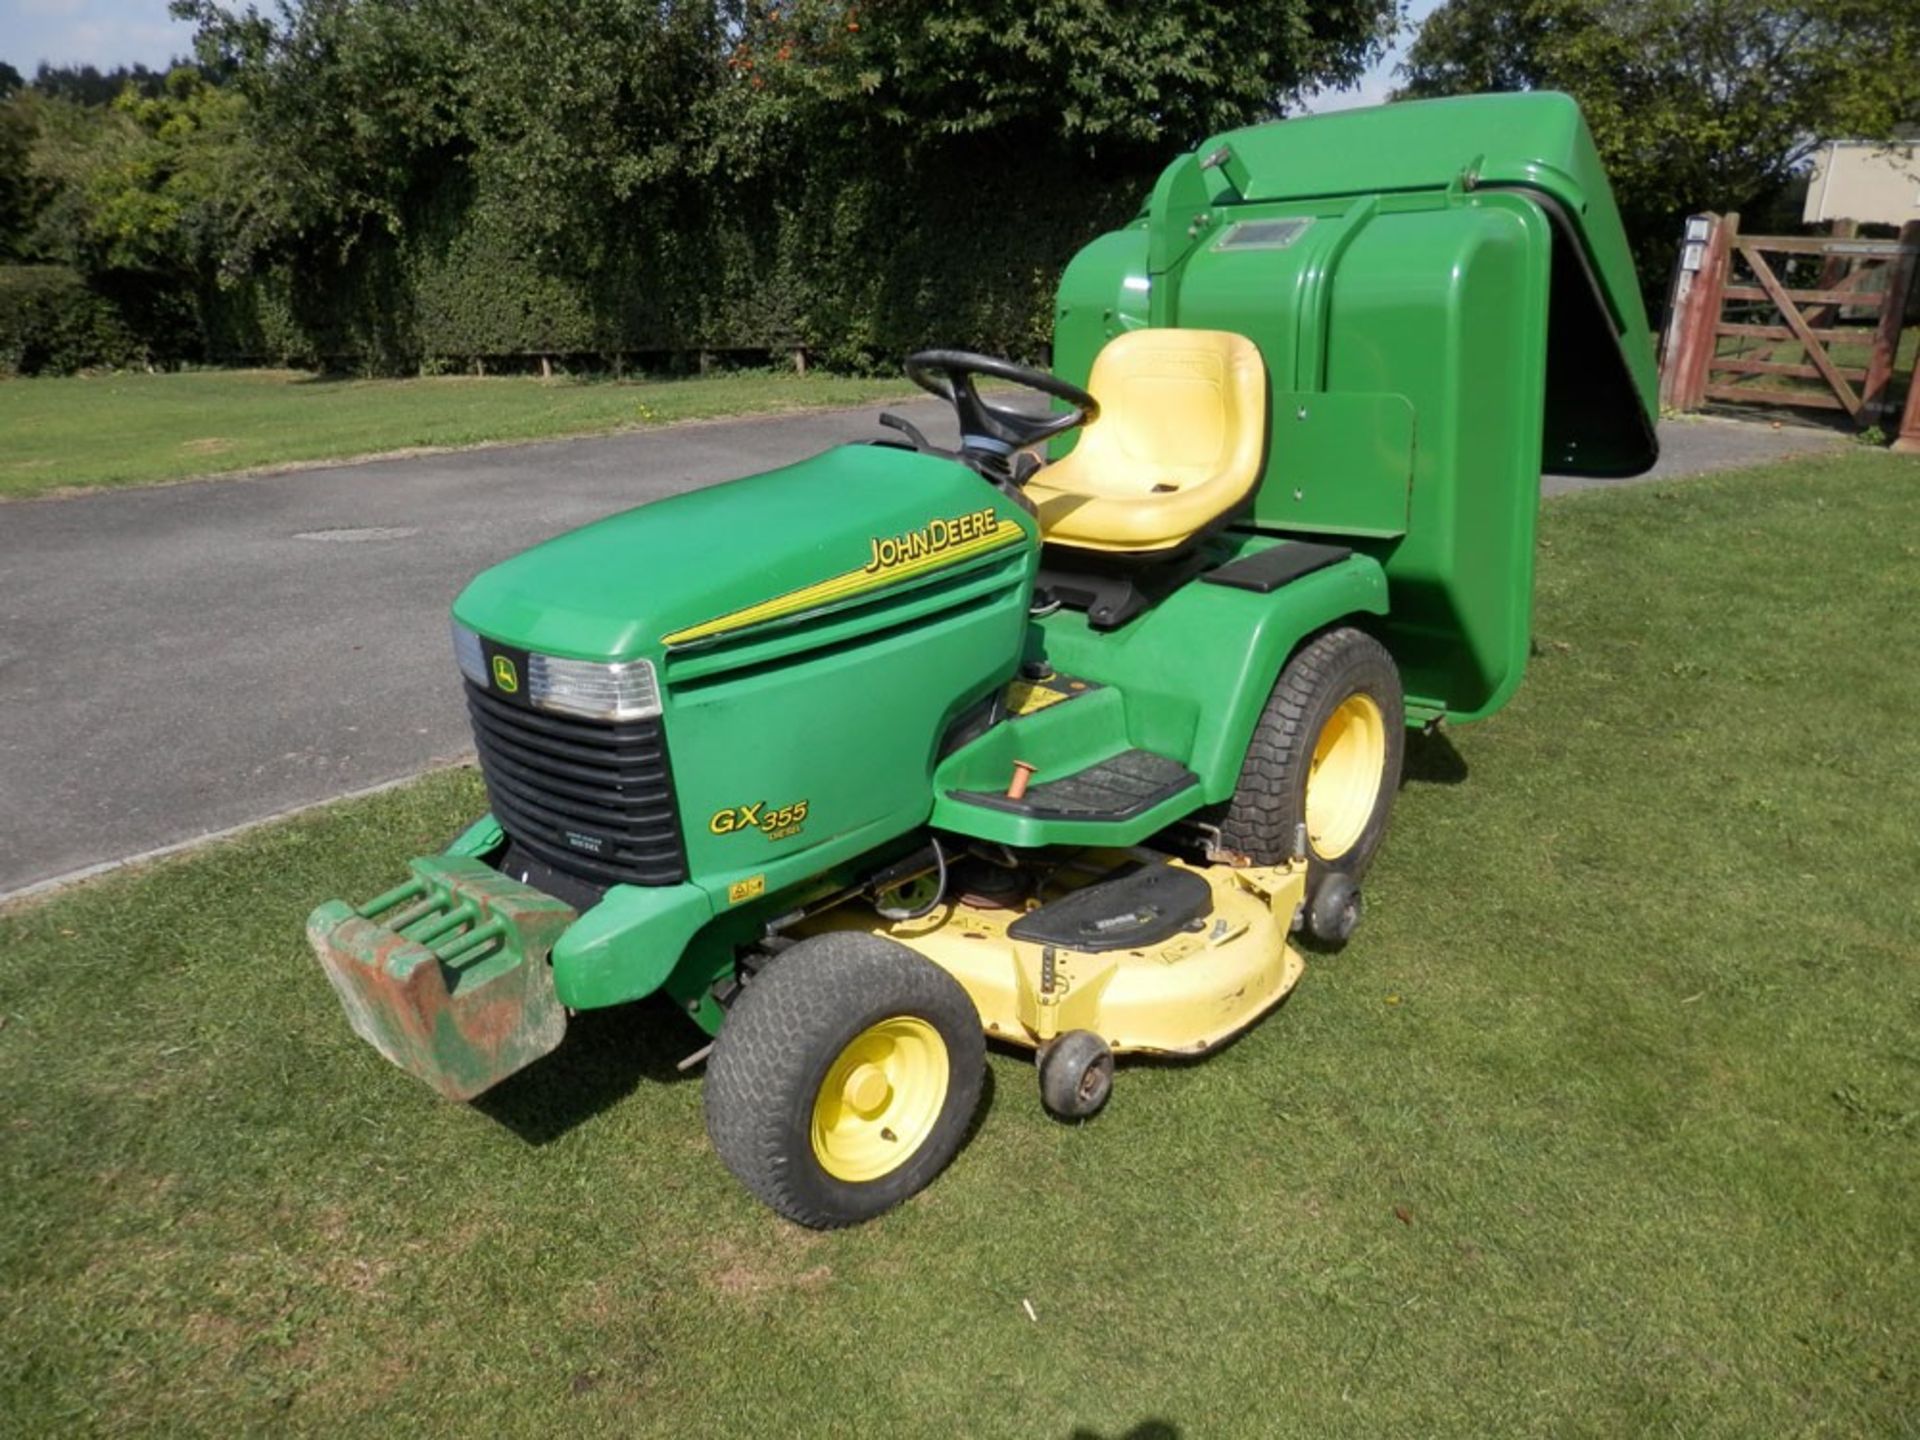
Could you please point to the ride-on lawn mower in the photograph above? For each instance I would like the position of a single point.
(870, 759)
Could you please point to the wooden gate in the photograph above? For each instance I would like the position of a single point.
(1822, 313)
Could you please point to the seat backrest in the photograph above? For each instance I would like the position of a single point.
(1178, 407)
(1177, 447)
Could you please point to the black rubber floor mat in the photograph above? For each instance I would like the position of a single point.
(1141, 907)
(1129, 784)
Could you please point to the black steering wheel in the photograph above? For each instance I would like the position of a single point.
(996, 429)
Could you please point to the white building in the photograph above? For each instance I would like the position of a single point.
(1863, 181)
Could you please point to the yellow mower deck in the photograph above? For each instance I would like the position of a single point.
(1184, 995)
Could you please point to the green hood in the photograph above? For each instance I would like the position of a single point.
(754, 552)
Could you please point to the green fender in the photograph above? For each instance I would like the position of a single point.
(1196, 670)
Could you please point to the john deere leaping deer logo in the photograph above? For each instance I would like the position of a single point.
(505, 678)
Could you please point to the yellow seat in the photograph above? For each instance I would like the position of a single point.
(1179, 441)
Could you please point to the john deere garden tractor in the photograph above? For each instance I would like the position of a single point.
(1056, 738)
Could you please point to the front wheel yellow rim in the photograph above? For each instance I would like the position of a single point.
(880, 1099)
(1343, 781)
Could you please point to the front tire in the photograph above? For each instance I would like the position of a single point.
(1326, 753)
(844, 1079)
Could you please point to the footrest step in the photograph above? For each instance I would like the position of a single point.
(1117, 788)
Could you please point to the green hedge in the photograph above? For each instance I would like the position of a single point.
(858, 269)
(53, 323)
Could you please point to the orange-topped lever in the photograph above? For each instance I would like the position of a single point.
(1017, 787)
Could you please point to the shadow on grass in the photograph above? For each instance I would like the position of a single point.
(1432, 760)
(607, 1056)
(1145, 1430)
(989, 1087)
(330, 377)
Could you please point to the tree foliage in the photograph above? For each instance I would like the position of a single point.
(53, 323)
(1130, 81)
(161, 183)
(398, 180)
(20, 193)
(1694, 104)
(90, 85)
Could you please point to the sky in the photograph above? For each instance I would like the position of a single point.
(107, 33)
(1373, 86)
(104, 33)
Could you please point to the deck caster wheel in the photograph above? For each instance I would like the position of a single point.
(1076, 1075)
(1334, 913)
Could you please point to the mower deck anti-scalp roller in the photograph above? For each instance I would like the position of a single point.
(1058, 738)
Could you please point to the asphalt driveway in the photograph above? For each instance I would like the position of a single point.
(179, 661)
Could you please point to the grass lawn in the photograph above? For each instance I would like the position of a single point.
(128, 429)
(1607, 1124)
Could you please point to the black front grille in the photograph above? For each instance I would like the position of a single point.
(589, 797)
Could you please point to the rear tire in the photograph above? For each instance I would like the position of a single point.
(1326, 752)
(844, 1079)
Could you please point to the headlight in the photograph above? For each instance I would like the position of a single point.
(468, 655)
(626, 691)
(604, 692)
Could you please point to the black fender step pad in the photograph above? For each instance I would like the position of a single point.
(1267, 570)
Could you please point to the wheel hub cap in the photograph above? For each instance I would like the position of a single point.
(1343, 780)
(880, 1099)
(867, 1090)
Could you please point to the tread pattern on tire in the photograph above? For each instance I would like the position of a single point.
(787, 1026)
(1259, 820)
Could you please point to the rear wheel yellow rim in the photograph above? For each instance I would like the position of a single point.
(880, 1099)
(1343, 781)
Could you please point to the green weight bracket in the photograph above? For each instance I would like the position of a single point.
(447, 974)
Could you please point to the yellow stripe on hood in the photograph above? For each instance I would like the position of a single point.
(843, 587)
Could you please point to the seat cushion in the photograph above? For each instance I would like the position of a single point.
(1179, 443)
